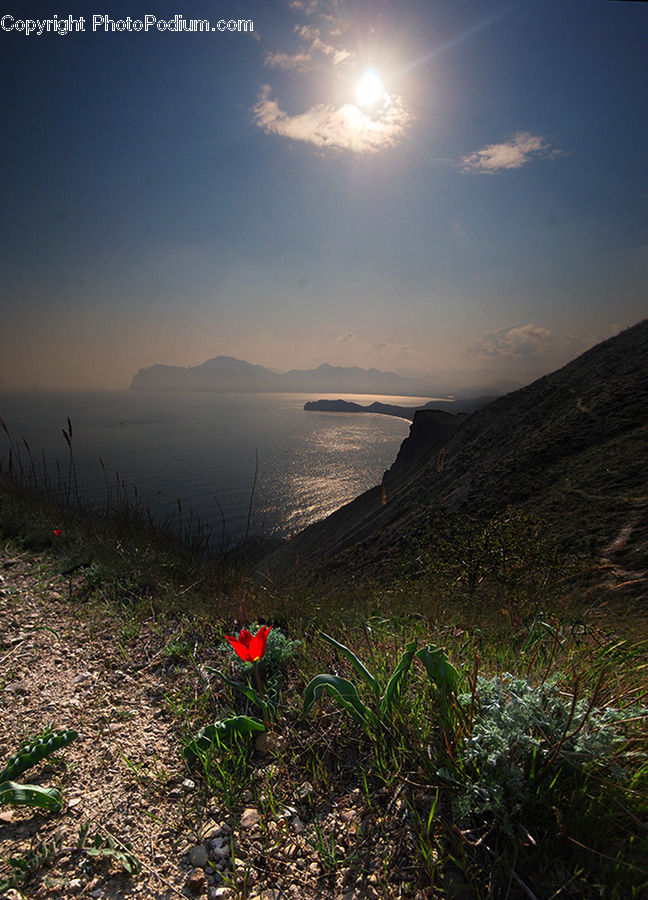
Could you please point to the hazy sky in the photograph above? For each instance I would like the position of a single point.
(426, 187)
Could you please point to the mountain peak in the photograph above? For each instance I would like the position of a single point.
(228, 374)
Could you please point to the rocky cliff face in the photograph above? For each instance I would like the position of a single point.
(570, 448)
(429, 428)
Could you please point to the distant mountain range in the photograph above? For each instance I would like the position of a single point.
(225, 374)
(229, 375)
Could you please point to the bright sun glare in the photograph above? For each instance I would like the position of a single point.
(369, 90)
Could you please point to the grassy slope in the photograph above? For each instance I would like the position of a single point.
(582, 832)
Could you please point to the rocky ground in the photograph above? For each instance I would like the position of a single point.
(66, 659)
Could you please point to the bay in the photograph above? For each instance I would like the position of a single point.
(198, 452)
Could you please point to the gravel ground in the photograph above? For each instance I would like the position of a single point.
(125, 779)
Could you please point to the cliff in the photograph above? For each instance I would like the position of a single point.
(571, 448)
(430, 427)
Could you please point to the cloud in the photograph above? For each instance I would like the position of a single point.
(345, 338)
(517, 342)
(316, 45)
(287, 61)
(344, 127)
(322, 43)
(513, 153)
(393, 349)
(308, 8)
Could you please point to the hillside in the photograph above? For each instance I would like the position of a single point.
(571, 448)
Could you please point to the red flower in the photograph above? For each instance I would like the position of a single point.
(57, 532)
(250, 648)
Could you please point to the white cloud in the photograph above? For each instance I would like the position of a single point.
(517, 342)
(287, 61)
(324, 44)
(316, 45)
(345, 338)
(308, 8)
(513, 153)
(344, 127)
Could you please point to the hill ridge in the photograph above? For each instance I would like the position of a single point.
(577, 433)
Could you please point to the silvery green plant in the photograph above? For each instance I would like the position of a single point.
(521, 733)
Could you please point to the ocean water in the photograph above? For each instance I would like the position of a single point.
(201, 448)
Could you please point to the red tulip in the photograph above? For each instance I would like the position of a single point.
(57, 532)
(250, 648)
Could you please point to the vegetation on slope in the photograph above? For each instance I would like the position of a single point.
(508, 760)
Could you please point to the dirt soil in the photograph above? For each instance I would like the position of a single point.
(65, 660)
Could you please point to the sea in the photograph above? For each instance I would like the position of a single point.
(241, 463)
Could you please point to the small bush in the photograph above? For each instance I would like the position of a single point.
(523, 736)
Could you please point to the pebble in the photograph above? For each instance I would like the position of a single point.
(198, 856)
(219, 893)
(195, 881)
(269, 742)
(219, 851)
(250, 818)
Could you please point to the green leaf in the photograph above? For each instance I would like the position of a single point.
(30, 795)
(244, 689)
(220, 732)
(108, 847)
(341, 690)
(36, 750)
(442, 673)
(357, 664)
(398, 676)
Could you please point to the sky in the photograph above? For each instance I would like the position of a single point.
(452, 189)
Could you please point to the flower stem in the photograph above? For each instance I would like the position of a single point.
(259, 686)
(257, 678)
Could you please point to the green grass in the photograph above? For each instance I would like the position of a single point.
(560, 821)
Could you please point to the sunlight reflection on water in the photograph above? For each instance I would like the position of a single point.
(201, 448)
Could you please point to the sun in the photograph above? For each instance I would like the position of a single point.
(369, 90)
